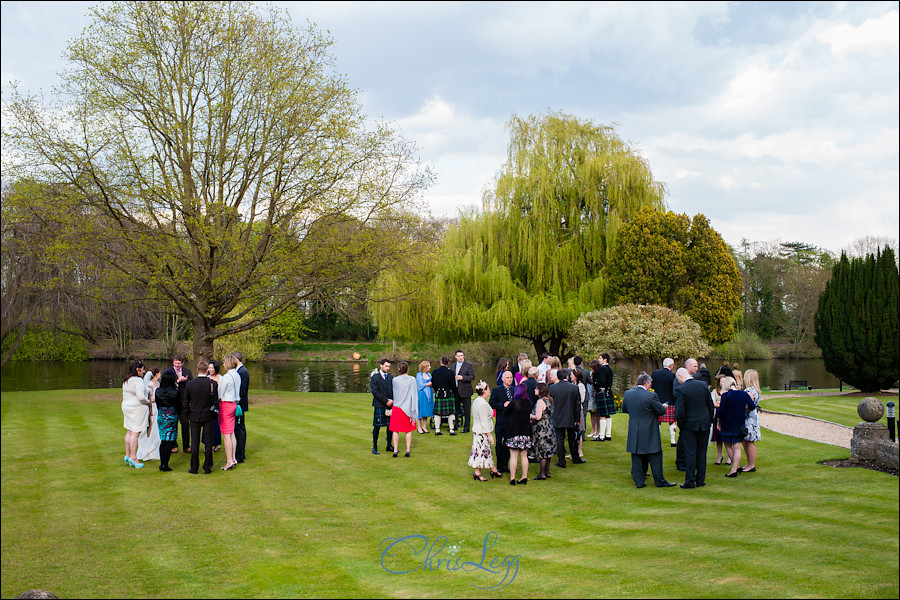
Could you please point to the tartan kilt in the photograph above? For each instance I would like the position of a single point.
(605, 404)
(669, 417)
(380, 419)
(444, 407)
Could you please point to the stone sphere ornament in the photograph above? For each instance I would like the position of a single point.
(870, 409)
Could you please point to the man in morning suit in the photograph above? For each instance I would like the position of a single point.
(240, 424)
(695, 414)
(182, 376)
(663, 380)
(465, 374)
(566, 409)
(692, 367)
(200, 395)
(644, 409)
(382, 386)
(500, 398)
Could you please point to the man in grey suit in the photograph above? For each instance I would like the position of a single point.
(465, 374)
(644, 409)
(566, 410)
(694, 413)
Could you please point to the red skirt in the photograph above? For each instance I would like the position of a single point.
(227, 412)
(400, 422)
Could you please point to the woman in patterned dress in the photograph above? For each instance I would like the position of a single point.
(166, 397)
(544, 431)
(518, 433)
(754, 433)
(482, 433)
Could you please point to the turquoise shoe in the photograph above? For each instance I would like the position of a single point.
(137, 465)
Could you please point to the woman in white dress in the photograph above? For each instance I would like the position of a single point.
(149, 440)
(135, 407)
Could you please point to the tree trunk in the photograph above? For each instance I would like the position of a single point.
(15, 345)
(203, 343)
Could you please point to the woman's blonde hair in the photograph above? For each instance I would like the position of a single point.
(555, 362)
(751, 379)
(230, 362)
(424, 366)
(727, 383)
(524, 366)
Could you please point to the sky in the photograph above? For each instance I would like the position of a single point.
(776, 120)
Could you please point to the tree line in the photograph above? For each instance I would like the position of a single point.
(205, 173)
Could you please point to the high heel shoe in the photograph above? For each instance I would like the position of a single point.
(478, 478)
(135, 464)
(395, 454)
(523, 481)
(512, 482)
(406, 455)
(735, 474)
(496, 474)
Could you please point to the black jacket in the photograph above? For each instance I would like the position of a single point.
(166, 397)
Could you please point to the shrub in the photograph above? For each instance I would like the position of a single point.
(44, 344)
(746, 344)
(637, 330)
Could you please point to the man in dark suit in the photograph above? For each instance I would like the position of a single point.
(240, 424)
(566, 407)
(644, 409)
(182, 376)
(200, 395)
(693, 369)
(382, 386)
(465, 374)
(694, 413)
(500, 398)
(663, 380)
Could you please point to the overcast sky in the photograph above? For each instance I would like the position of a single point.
(776, 120)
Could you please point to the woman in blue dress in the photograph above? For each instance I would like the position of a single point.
(426, 395)
(731, 420)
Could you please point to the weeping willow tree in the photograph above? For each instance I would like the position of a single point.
(532, 260)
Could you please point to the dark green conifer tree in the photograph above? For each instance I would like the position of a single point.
(857, 323)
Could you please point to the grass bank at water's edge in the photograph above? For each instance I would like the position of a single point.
(309, 512)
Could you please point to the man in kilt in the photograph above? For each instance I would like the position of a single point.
(444, 383)
(604, 402)
(382, 386)
(663, 383)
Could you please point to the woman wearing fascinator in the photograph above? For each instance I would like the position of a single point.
(482, 433)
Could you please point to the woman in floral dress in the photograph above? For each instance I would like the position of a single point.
(482, 433)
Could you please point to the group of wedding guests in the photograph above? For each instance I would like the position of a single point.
(536, 412)
(532, 410)
(726, 414)
(210, 408)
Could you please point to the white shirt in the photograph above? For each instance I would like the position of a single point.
(229, 386)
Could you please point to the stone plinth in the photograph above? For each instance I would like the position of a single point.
(866, 436)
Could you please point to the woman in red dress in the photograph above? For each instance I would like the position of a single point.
(405, 410)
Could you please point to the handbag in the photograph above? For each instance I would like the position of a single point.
(744, 432)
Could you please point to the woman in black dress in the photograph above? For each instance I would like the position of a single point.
(518, 433)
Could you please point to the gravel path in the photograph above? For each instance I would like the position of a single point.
(808, 428)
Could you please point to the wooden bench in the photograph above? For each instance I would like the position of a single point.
(796, 384)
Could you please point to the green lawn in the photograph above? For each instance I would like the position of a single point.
(837, 409)
(306, 515)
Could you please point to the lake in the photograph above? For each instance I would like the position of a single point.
(351, 377)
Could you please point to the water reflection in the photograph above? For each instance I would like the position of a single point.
(350, 377)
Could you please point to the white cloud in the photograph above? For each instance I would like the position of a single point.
(873, 36)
